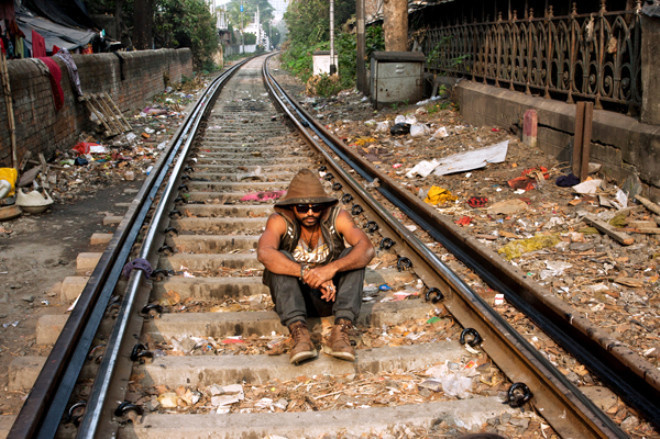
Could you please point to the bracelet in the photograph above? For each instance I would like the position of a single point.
(303, 268)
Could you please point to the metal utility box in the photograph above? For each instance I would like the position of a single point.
(321, 62)
(397, 77)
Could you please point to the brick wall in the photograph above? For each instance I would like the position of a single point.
(39, 128)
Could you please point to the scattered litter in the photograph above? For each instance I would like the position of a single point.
(517, 248)
(463, 221)
(508, 207)
(587, 187)
(423, 168)
(554, 269)
(419, 129)
(409, 119)
(567, 180)
(475, 159)
(400, 129)
(456, 379)
(263, 196)
(90, 148)
(383, 127)
(440, 132)
(477, 201)
(437, 195)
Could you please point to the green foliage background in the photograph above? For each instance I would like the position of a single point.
(187, 23)
(308, 23)
(177, 23)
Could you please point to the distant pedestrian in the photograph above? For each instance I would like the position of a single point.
(309, 270)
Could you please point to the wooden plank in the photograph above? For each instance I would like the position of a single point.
(620, 237)
(577, 139)
(115, 127)
(586, 140)
(92, 109)
(650, 205)
(127, 125)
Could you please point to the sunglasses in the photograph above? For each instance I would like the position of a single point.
(304, 208)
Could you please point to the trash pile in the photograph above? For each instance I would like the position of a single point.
(593, 243)
(94, 161)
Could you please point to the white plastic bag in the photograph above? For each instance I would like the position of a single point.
(418, 130)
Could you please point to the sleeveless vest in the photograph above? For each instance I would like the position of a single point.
(329, 232)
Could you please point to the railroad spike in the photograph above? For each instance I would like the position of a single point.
(434, 295)
(403, 263)
(476, 339)
(518, 394)
(387, 243)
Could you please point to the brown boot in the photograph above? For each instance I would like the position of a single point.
(339, 345)
(303, 348)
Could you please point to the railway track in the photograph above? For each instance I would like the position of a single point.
(193, 350)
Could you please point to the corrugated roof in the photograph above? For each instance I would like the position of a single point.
(413, 5)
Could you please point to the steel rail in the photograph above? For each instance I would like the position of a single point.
(606, 357)
(97, 401)
(517, 358)
(42, 411)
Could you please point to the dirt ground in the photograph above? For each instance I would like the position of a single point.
(35, 257)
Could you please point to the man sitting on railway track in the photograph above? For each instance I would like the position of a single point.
(309, 270)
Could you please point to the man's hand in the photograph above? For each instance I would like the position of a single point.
(328, 291)
(318, 276)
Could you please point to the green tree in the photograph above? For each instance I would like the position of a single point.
(235, 16)
(249, 38)
(177, 23)
(308, 24)
(187, 23)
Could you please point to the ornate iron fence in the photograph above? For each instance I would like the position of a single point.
(593, 56)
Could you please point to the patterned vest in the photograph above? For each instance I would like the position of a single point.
(329, 232)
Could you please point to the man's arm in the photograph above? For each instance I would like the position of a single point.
(362, 252)
(268, 249)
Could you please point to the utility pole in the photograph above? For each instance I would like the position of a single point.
(242, 39)
(333, 66)
(361, 52)
(395, 25)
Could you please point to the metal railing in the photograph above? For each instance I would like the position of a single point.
(595, 56)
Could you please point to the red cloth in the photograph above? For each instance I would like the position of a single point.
(55, 49)
(7, 10)
(55, 77)
(38, 45)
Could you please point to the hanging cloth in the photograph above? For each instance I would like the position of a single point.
(55, 78)
(38, 45)
(19, 49)
(72, 68)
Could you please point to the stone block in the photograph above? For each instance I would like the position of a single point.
(49, 328)
(86, 261)
(112, 220)
(100, 238)
(23, 372)
(72, 286)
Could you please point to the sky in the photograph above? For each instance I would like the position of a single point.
(278, 5)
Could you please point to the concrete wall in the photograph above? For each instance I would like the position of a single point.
(622, 144)
(39, 128)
